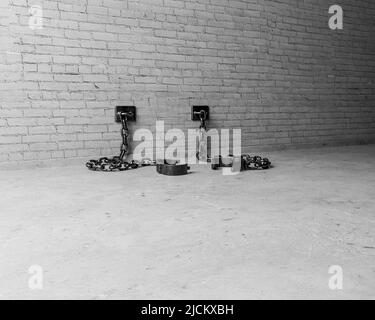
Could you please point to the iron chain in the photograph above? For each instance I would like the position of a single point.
(118, 163)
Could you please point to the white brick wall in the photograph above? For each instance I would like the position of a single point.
(273, 68)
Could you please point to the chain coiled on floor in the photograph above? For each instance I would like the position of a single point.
(118, 163)
(255, 162)
(246, 162)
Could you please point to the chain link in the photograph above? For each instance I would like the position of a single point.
(255, 162)
(248, 162)
(202, 148)
(118, 163)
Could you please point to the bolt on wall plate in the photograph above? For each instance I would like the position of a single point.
(195, 111)
(130, 110)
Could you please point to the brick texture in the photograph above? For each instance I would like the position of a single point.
(272, 68)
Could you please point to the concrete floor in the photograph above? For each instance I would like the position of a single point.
(268, 234)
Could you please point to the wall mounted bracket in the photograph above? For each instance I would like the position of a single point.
(196, 110)
(130, 110)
